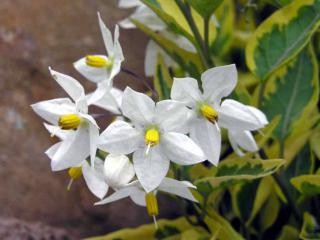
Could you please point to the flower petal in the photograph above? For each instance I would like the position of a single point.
(259, 115)
(118, 170)
(72, 151)
(52, 110)
(150, 169)
(219, 82)
(172, 116)
(120, 138)
(117, 50)
(208, 137)
(139, 197)
(244, 139)
(138, 107)
(106, 35)
(180, 149)
(94, 180)
(72, 87)
(57, 131)
(129, 3)
(186, 90)
(119, 194)
(179, 188)
(93, 74)
(111, 100)
(94, 138)
(236, 116)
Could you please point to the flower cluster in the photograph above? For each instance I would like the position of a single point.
(140, 145)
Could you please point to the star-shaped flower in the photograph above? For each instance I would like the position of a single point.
(71, 115)
(101, 69)
(209, 113)
(155, 137)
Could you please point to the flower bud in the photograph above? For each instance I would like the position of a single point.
(118, 170)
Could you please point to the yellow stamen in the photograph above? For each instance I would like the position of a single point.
(152, 204)
(70, 121)
(152, 137)
(209, 112)
(98, 62)
(74, 173)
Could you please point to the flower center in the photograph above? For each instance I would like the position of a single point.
(209, 112)
(70, 121)
(98, 62)
(151, 138)
(152, 204)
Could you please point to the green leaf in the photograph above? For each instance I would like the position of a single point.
(315, 142)
(288, 232)
(237, 170)
(162, 80)
(170, 14)
(205, 7)
(189, 61)
(292, 92)
(307, 184)
(220, 227)
(282, 36)
(269, 212)
(147, 231)
(225, 15)
(196, 234)
(310, 229)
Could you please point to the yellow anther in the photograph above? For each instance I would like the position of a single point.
(98, 62)
(70, 121)
(152, 137)
(209, 112)
(75, 172)
(152, 204)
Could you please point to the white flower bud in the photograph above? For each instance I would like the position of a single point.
(118, 170)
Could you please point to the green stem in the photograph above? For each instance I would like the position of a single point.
(185, 9)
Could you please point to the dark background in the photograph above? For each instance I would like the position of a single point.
(36, 34)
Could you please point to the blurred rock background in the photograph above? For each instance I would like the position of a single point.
(35, 34)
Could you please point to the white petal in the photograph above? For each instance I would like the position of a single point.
(106, 35)
(138, 107)
(57, 131)
(259, 115)
(178, 188)
(72, 87)
(235, 145)
(127, 24)
(219, 82)
(119, 194)
(93, 74)
(208, 137)
(120, 138)
(52, 150)
(186, 90)
(181, 149)
(117, 50)
(181, 41)
(151, 57)
(129, 3)
(172, 116)
(146, 16)
(236, 116)
(244, 139)
(150, 169)
(52, 110)
(94, 138)
(118, 170)
(111, 100)
(72, 151)
(139, 198)
(102, 89)
(94, 180)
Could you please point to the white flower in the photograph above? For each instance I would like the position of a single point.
(93, 177)
(209, 113)
(135, 191)
(102, 69)
(142, 14)
(156, 137)
(71, 116)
